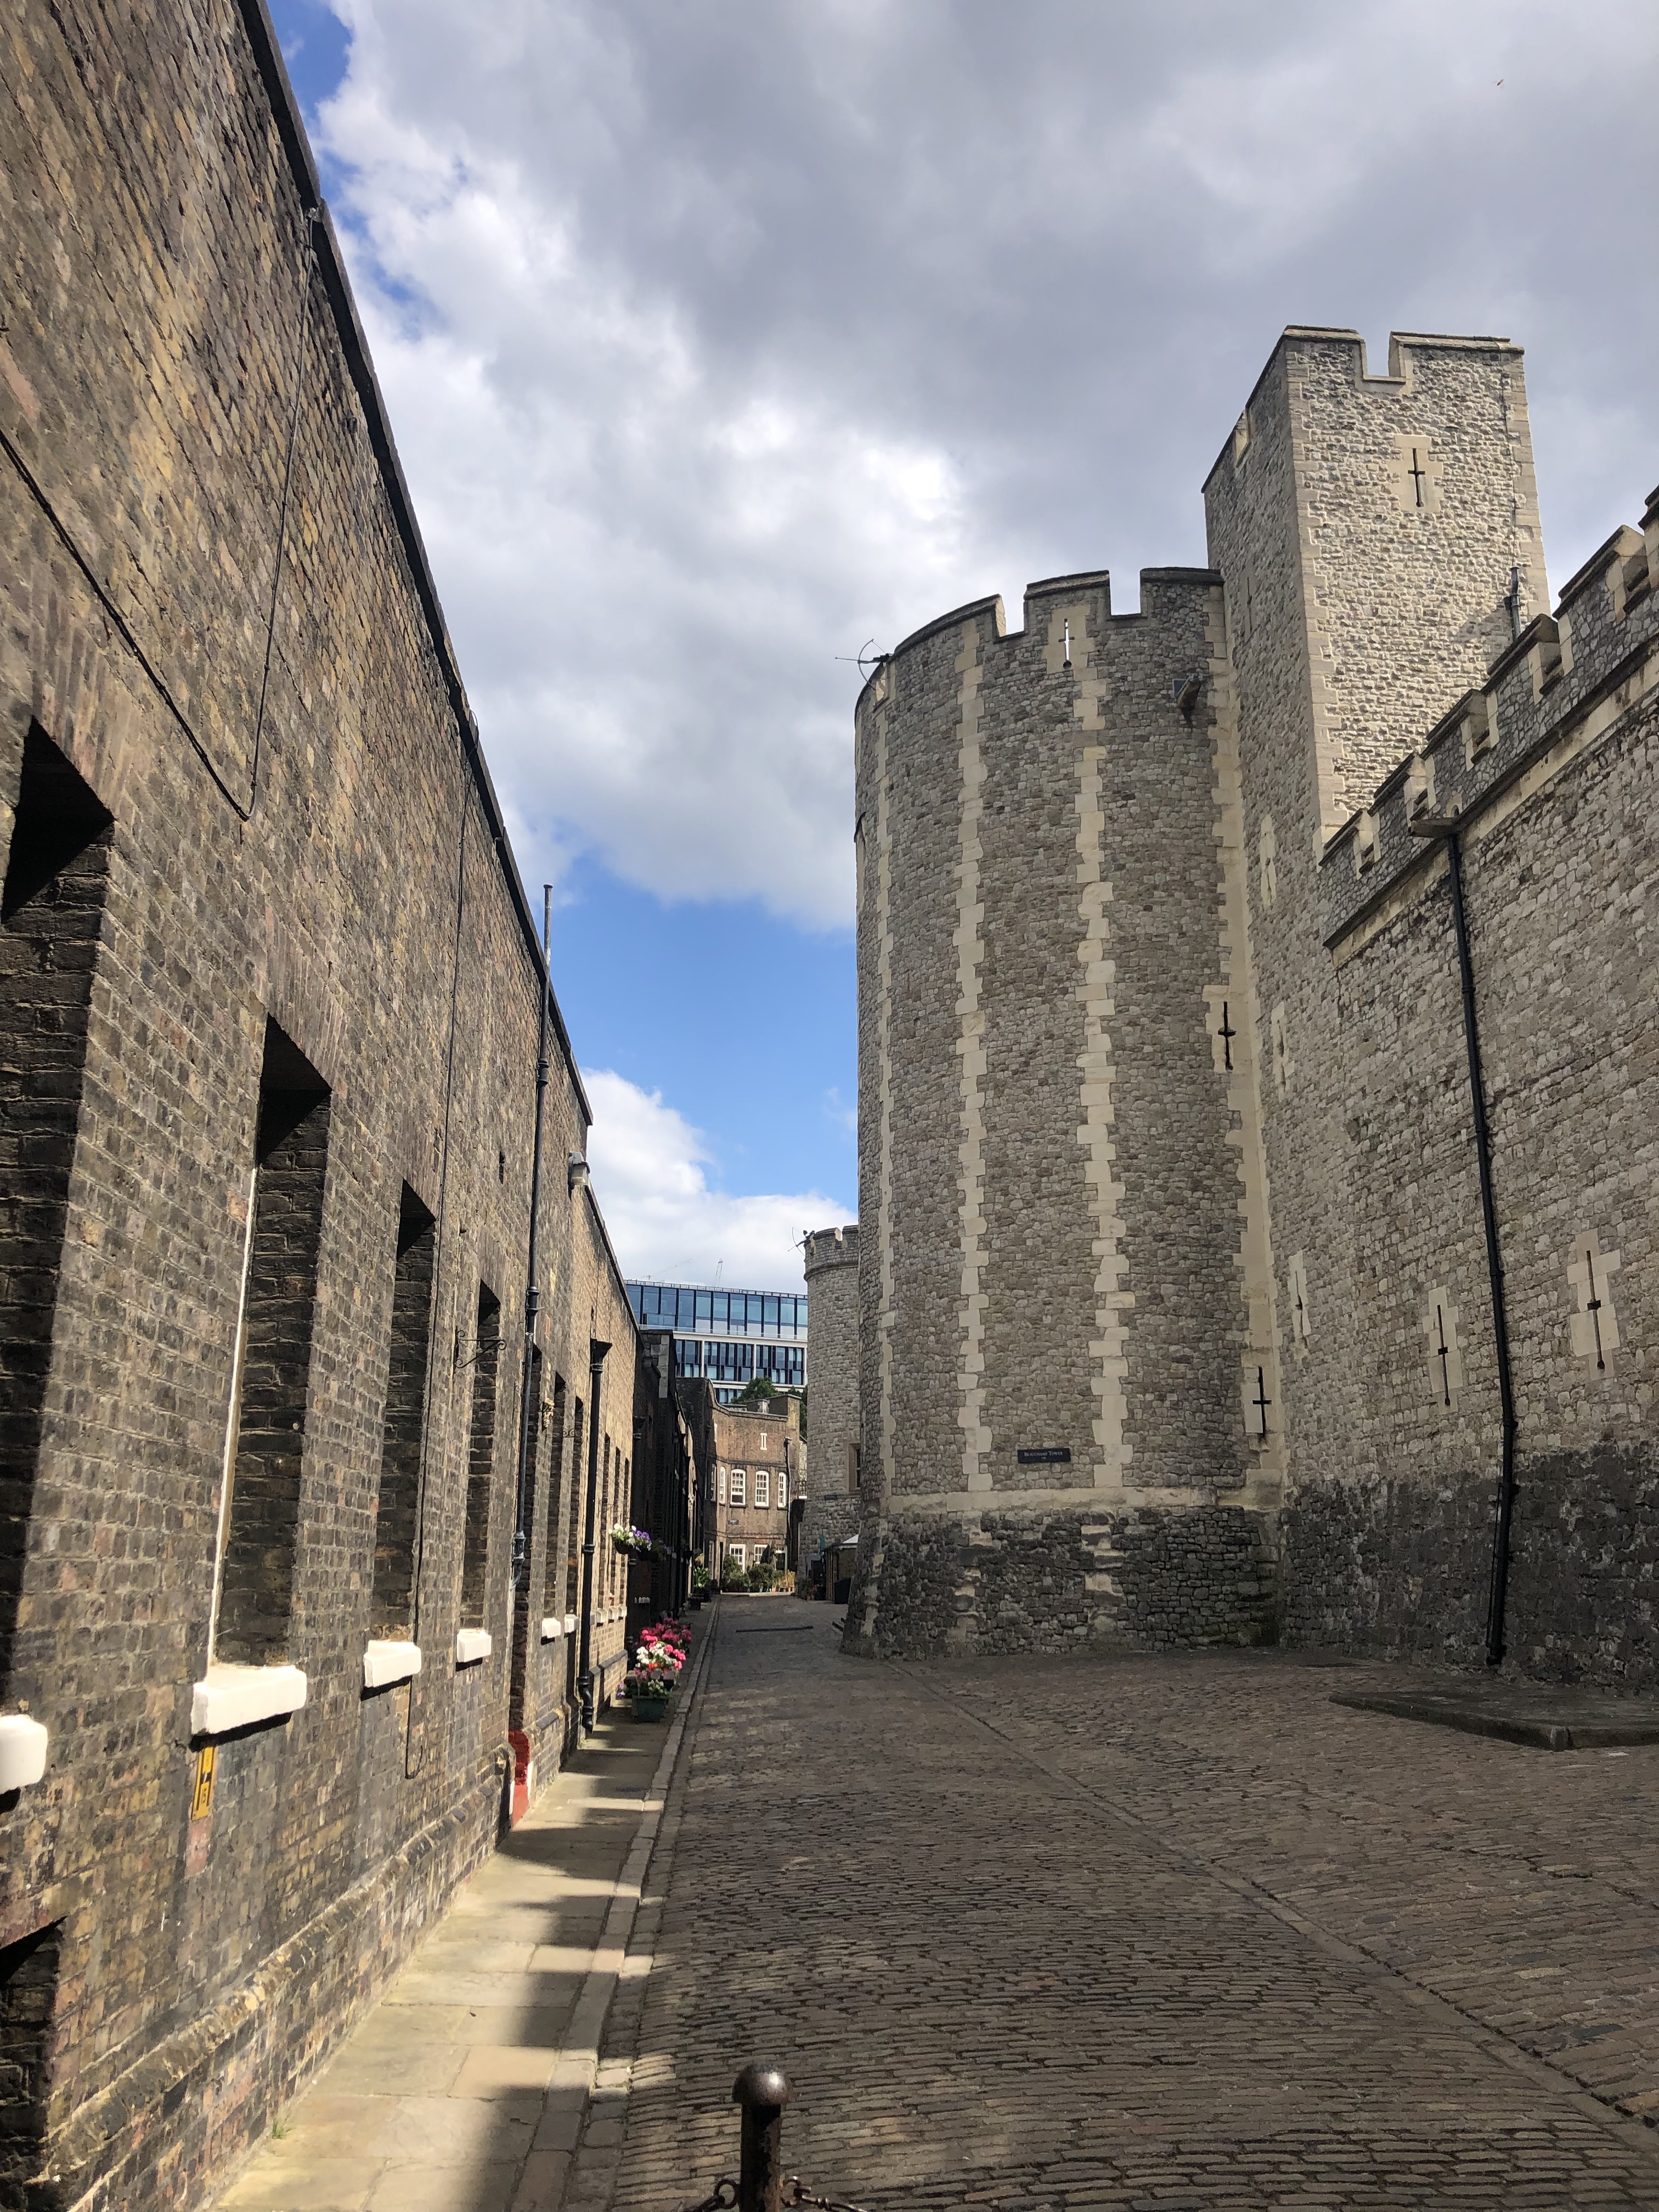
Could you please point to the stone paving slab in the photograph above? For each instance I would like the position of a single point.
(1546, 1718)
(1171, 1932)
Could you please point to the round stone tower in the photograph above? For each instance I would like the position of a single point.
(1069, 1377)
(831, 1257)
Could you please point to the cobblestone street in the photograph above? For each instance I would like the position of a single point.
(1162, 1932)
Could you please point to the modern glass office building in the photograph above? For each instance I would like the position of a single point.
(730, 1336)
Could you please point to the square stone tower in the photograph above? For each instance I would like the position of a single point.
(1380, 544)
(1380, 540)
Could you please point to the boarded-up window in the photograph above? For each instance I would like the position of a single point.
(28, 1996)
(481, 1460)
(51, 911)
(265, 1447)
(406, 1420)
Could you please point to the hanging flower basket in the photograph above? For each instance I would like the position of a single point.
(634, 1542)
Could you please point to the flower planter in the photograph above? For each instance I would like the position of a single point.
(652, 1709)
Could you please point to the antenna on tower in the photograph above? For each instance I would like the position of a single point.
(864, 660)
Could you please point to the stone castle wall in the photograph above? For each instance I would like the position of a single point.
(831, 1265)
(1549, 770)
(240, 786)
(1060, 1217)
(1286, 1229)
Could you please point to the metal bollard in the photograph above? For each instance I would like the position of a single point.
(762, 2091)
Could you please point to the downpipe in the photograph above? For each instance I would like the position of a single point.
(1444, 827)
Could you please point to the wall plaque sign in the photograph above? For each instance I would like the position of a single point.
(1044, 1456)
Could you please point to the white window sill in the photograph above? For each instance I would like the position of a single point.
(551, 1627)
(472, 1645)
(570, 1624)
(22, 1751)
(233, 1697)
(389, 1661)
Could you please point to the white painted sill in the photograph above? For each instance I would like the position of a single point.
(231, 1698)
(386, 1661)
(22, 1751)
(472, 1645)
(551, 1627)
(570, 1624)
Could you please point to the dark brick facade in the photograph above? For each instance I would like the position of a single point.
(269, 1002)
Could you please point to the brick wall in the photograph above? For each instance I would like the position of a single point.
(762, 1441)
(320, 852)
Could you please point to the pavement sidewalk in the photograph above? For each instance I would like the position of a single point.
(463, 2089)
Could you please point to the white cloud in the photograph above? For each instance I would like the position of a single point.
(718, 339)
(650, 1177)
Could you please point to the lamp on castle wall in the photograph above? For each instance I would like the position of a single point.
(575, 1173)
(1443, 829)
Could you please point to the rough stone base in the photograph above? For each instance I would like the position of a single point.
(998, 1582)
(1403, 1570)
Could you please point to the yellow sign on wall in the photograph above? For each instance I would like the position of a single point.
(201, 1796)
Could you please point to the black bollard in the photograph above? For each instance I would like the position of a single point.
(762, 2091)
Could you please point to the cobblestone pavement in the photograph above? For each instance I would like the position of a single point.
(1167, 1933)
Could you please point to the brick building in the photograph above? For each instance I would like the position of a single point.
(674, 1464)
(760, 1466)
(1189, 1311)
(269, 998)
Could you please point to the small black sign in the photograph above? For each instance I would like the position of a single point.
(1044, 1456)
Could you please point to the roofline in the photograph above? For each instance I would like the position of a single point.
(331, 263)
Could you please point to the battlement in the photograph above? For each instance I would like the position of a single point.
(1559, 686)
(1160, 588)
(830, 1248)
(1403, 346)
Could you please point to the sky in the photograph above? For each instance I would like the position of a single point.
(719, 340)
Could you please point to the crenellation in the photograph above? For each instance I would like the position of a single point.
(1562, 683)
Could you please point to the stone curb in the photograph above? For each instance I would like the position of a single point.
(579, 2080)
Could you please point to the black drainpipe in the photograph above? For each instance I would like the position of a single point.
(1445, 829)
(596, 1351)
(529, 1415)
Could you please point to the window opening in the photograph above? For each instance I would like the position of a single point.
(29, 1975)
(404, 1421)
(51, 911)
(481, 1460)
(556, 1487)
(265, 1442)
(1261, 1401)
